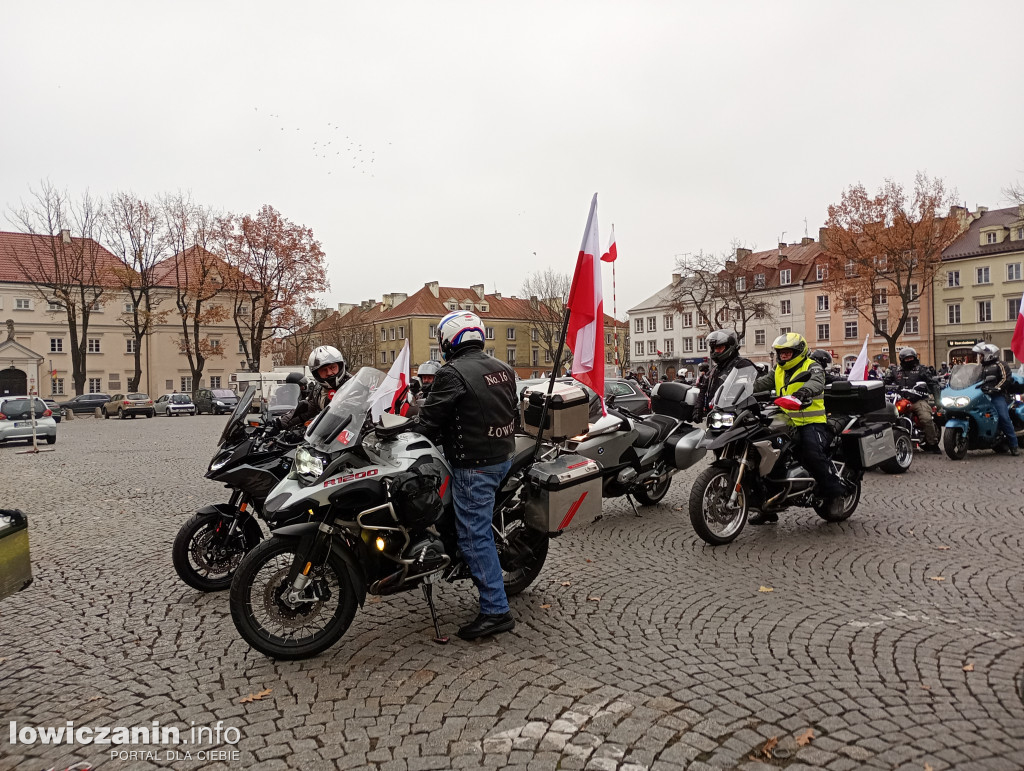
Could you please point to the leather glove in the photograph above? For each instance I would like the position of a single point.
(804, 396)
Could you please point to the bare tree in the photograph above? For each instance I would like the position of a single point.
(135, 234)
(297, 334)
(354, 335)
(884, 250)
(548, 292)
(724, 292)
(69, 272)
(198, 276)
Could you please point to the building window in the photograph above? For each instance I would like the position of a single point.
(785, 277)
(93, 345)
(882, 263)
(638, 325)
(639, 348)
(850, 302)
(53, 305)
(391, 333)
(489, 352)
(1013, 271)
(981, 275)
(242, 310)
(535, 357)
(822, 272)
(785, 307)
(534, 336)
(702, 343)
(687, 319)
(1020, 234)
(489, 333)
(670, 345)
(186, 384)
(607, 338)
(851, 269)
(241, 345)
(823, 331)
(215, 344)
(784, 331)
(741, 284)
(913, 325)
(652, 323)
(511, 355)
(510, 333)
(953, 313)
(22, 304)
(1012, 309)
(915, 292)
(759, 338)
(95, 306)
(608, 358)
(652, 347)
(687, 345)
(759, 281)
(668, 321)
(547, 356)
(383, 357)
(822, 302)
(881, 297)
(850, 330)
(383, 335)
(129, 307)
(129, 345)
(95, 385)
(991, 238)
(401, 333)
(56, 345)
(435, 353)
(432, 331)
(882, 327)
(984, 311)
(57, 385)
(953, 278)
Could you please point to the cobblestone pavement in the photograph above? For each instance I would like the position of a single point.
(895, 637)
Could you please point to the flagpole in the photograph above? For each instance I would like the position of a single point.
(551, 381)
(615, 317)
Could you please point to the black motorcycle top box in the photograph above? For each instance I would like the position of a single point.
(670, 399)
(856, 397)
(568, 411)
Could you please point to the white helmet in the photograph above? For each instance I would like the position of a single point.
(457, 330)
(428, 368)
(327, 354)
(988, 352)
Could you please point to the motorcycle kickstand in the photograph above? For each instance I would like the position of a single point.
(428, 594)
(636, 511)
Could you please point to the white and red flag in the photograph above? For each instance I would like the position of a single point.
(859, 370)
(392, 394)
(612, 253)
(1017, 341)
(586, 311)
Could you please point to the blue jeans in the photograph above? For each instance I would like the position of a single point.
(1003, 411)
(474, 491)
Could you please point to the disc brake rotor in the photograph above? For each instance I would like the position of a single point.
(214, 558)
(278, 610)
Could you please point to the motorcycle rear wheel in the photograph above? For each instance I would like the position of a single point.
(710, 494)
(954, 442)
(200, 556)
(301, 632)
(653, 494)
(904, 455)
(522, 555)
(850, 502)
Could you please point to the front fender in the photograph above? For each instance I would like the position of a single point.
(251, 528)
(958, 422)
(224, 509)
(340, 545)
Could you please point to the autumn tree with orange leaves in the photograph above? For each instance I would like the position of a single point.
(886, 249)
(279, 266)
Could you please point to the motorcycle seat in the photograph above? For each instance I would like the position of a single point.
(887, 414)
(653, 429)
(523, 455)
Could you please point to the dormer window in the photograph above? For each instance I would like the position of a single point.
(991, 237)
(482, 307)
(822, 272)
(452, 306)
(759, 281)
(785, 277)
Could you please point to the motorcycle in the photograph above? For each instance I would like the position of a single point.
(971, 420)
(756, 466)
(902, 401)
(378, 518)
(251, 459)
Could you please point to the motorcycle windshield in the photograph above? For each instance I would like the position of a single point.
(284, 397)
(238, 415)
(964, 376)
(341, 425)
(737, 388)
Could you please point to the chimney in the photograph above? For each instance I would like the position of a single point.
(782, 246)
(345, 308)
(742, 252)
(319, 314)
(65, 236)
(497, 295)
(1020, 210)
(730, 265)
(806, 240)
(676, 278)
(479, 289)
(432, 286)
(534, 302)
(980, 210)
(821, 236)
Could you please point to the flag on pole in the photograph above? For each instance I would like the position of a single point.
(612, 253)
(586, 311)
(1017, 341)
(391, 394)
(859, 370)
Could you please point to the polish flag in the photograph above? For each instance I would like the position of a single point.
(859, 370)
(612, 253)
(586, 311)
(391, 395)
(1017, 341)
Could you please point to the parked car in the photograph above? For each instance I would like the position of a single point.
(86, 403)
(173, 405)
(129, 405)
(16, 419)
(216, 401)
(628, 394)
(56, 409)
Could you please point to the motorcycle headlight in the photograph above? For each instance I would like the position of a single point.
(308, 464)
(961, 401)
(218, 463)
(947, 401)
(720, 419)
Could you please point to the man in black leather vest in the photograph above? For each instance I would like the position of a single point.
(472, 408)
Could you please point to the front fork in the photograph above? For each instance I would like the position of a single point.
(737, 485)
(313, 550)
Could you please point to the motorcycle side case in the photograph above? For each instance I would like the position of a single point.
(15, 566)
(682, 450)
(869, 445)
(563, 491)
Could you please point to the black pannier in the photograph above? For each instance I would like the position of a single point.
(669, 399)
(856, 397)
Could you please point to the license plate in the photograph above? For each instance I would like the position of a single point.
(23, 424)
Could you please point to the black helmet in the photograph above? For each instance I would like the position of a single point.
(704, 367)
(727, 338)
(415, 498)
(327, 354)
(824, 358)
(908, 356)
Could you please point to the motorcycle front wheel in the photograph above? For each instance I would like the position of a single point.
(901, 463)
(713, 519)
(273, 626)
(954, 442)
(204, 556)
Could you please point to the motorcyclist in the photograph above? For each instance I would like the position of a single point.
(996, 380)
(426, 373)
(472, 408)
(824, 359)
(329, 373)
(724, 347)
(808, 422)
(915, 376)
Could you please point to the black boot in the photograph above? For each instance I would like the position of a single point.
(764, 518)
(1014, 451)
(484, 625)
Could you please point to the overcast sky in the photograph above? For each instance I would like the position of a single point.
(461, 142)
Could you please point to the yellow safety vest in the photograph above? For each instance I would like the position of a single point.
(815, 413)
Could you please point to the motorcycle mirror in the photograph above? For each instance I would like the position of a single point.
(803, 377)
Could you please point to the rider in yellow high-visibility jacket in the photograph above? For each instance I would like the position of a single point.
(809, 422)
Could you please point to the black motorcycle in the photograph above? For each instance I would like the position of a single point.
(757, 466)
(251, 458)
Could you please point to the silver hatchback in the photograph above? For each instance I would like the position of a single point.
(16, 419)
